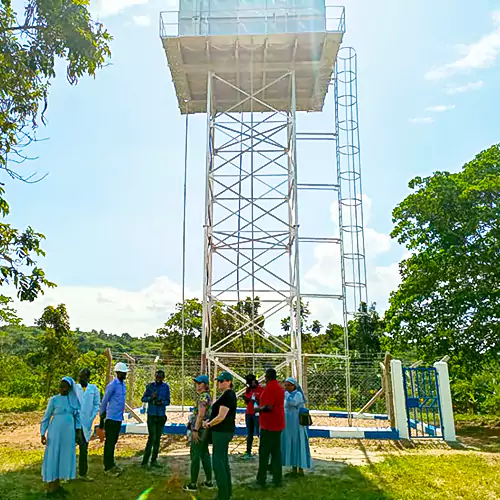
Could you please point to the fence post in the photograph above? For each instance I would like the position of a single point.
(109, 368)
(444, 390)
(398, 392)
(131, 380)
(389, 398)
(305, 376)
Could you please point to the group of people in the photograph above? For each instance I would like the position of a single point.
(272, 413)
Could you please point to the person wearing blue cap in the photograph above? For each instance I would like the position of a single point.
(60, 431)
(222, 426)
(199, 436)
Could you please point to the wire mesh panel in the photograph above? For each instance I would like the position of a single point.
(325, 382)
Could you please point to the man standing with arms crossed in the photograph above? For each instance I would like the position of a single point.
(272, 423)
(111, 413)
(89, 397)
(157, 395)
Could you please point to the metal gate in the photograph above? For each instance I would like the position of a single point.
(423, 406)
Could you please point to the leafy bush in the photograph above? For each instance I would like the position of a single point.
(13, 404)
(479, 393)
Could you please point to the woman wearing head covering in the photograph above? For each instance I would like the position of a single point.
(60, 429)
(295, 451)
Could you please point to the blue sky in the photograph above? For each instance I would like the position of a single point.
(111, 204)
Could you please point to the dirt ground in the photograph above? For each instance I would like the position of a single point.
(330, 456)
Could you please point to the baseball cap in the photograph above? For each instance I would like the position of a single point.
(225, 377)
(201, 379)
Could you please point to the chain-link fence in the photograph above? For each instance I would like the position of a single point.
(325, 381)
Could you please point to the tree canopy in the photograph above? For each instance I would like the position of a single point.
(30, 44)
(449, 300)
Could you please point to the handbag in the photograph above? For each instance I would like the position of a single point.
(305, 418)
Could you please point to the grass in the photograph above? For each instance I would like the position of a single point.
(14, 404)
(454, 475)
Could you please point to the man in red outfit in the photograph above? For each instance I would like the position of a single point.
(272, 423)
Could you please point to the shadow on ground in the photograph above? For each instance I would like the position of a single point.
(342, 483)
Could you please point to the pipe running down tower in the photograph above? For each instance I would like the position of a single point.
(251, 67)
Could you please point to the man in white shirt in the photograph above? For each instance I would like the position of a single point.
(90, 399)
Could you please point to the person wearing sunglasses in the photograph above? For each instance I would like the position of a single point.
(222, 427)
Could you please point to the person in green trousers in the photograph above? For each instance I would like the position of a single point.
(222, 427)
(199, 436)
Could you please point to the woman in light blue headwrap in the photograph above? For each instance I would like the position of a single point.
(60, 430)
(295, 451)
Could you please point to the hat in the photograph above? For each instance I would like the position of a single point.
(121, 367)
(201, 379)
(225, 377)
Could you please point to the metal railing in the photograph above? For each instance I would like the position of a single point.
(175, 23)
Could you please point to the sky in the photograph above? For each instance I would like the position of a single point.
(111, 203)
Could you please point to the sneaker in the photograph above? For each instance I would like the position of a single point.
(113, 472)
(86, 479)
(209, 485)
(190, 487)
(156, 465)
(256, 487)
(247, 456)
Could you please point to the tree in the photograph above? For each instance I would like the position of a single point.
(30, 44)
(365, 330)
(58, 348)
(29, 47)
(18, 267)
(225, 320)
(448, 302)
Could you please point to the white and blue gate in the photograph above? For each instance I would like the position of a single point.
(423, 403)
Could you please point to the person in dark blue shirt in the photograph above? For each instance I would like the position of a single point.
(157, 395)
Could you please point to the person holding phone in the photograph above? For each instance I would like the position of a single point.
(157, 396)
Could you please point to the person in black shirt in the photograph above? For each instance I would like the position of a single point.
(222, 426)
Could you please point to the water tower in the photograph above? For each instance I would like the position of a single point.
(251, 67)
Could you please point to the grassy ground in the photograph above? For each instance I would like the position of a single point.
(390, 471)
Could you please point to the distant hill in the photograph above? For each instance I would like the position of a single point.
(21, 340)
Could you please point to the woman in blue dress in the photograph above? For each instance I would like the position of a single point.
(60, 430)
(295, 451)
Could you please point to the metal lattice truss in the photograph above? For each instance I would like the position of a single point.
(251, 228)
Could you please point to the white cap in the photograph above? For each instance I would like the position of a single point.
(121, 367)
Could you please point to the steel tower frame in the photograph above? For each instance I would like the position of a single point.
(260, 149)
(251, 221)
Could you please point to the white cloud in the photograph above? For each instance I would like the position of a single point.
(424, 120)
(480, 54)
(110, 309)
(324, 276)
(142, 20)
(441, 108)
(106, 8)
(465, 88)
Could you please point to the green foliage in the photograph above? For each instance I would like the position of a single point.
(225, 320)
(58, 349)
(18, 251)
(478, 393)
(97, 365)
(15, 404)
(30, 44)
(448, 302)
